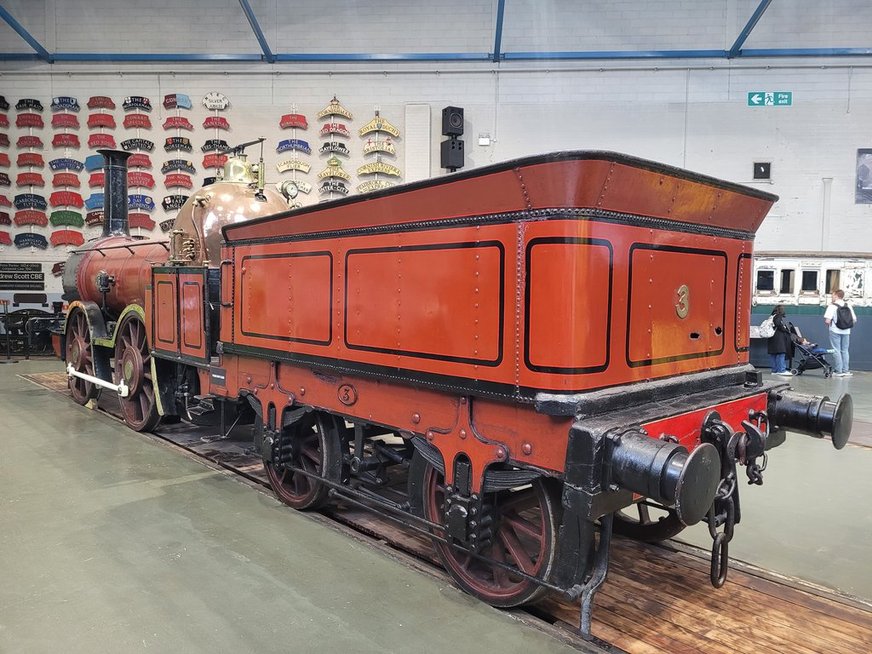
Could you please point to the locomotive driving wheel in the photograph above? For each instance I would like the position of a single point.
(312, 444)
(525, 524)
(133, 367)
(648, 526)
(80, 354)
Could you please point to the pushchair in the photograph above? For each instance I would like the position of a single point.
(808, 356)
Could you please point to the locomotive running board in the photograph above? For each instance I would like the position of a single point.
(122, 389)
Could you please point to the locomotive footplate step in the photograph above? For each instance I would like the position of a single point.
(654, 599)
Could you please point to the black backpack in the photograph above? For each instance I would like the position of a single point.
(844, 317)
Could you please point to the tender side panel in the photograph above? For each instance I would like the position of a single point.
(677, 303)
(440, 301)
(194, 338)
(285, 297)
(166, 322)
(568, 296)
(560, 305)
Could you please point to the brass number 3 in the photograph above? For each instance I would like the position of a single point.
(682, 307)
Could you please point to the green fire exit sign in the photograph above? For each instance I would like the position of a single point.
(770, 98)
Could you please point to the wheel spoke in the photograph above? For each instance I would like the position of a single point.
(312, 455)
(644, 514)
(500, 575)
(522, 527)
(514, 547)
(519, 501)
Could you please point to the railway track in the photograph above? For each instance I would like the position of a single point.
(656, 599)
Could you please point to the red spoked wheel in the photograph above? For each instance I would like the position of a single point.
(525, 523)
(80, 354)
(133, 367)
(648, 526)
(312, 444)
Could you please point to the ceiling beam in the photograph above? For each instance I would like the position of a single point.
(498, 36)
(617, 54)
(146, 57)
(399, 56)
(24, 34)
(736, 50)
(255, 26)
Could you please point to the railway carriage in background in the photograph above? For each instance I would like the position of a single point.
(804, 282)
(809, 278)
(516, 360)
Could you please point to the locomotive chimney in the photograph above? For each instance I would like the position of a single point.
(115, 193)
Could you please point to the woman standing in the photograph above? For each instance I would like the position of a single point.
(780, 344)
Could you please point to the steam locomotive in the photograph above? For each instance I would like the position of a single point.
(513, 360)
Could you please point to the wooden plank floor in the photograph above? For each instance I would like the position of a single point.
(657, 599)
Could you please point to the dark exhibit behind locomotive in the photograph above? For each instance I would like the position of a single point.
(506, 359)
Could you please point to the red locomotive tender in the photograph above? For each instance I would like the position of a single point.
(538, 345)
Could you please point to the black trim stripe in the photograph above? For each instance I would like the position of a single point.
(404, 376)
(558, 403)
(686, 250)
(180, 358)
(156, 301)
(184, 333)
(743, 255)
(432, 247)
(591, 215)
(527, 295)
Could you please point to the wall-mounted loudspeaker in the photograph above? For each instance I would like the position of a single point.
(452, 154)
(452, 121)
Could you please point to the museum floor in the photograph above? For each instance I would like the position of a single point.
(114, 542)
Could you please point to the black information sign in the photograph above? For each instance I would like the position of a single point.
(21, 267)
(21, 277)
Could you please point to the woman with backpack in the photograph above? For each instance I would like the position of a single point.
(780, 344)
(840, 318)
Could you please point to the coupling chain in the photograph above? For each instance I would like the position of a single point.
(722, 513)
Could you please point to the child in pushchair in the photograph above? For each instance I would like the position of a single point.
(807, 355)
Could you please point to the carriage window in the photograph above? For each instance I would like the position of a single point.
(765, 281)
(832, 280)
(809, 281)
(787, 282)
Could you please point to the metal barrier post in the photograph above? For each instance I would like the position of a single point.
(5, 304)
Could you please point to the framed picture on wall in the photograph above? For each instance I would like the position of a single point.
(863, 194)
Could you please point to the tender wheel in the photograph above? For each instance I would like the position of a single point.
(525, 523)
(311, 444)
(80, 354)
(133, 366)
(662, 525)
